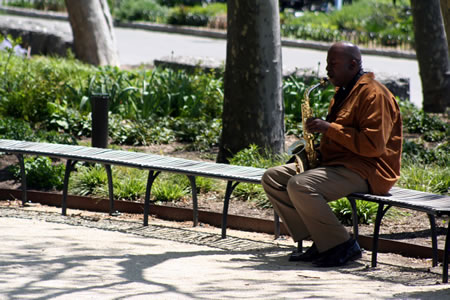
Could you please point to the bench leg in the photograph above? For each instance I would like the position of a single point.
(69, 167)
(151, 178)
(230, 187)
(355, 219)
(446, 249)
(376, 232)
(276, 222)
(433, 239)
(24, 178)
(112, 211)
(194, 200)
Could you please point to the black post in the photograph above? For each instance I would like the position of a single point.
(100, 108)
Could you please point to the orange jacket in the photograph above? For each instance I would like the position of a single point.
(366, 136)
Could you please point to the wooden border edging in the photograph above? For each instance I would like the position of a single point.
(212, 218)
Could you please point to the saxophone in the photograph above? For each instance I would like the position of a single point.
(308, 137)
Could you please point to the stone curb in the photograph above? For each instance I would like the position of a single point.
(219, 34)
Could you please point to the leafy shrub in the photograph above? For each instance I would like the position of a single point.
(16, 129)
(41, 173)
(432, 178)
(418, 153)
(129, 183)
(141, 10)
(181, 15)
(88, 180)
(365, 210)
(363, 22)
(200, 133)
(168, 187)
(28, 85)
(293, 93)
(56, 137)
(54, 5)
(198, 15)
(253, 156)
(68, 120)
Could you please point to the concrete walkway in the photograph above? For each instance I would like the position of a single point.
(47, 256)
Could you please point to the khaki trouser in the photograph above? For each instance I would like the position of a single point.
(301, 201)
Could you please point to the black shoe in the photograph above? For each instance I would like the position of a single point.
(311, 254)
(339, 255)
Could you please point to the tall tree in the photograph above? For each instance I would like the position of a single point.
(253, 111)
(93, 31)
(445, 8)
(432, 54)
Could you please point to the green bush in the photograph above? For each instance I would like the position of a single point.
(28, 85)
(88, 180)
(253, 156)
(54, 5)
(41, 173)
(418, 153)
(169, 187)
(293, 93)
(198, 15)
(365, 210)
(373, 22)
(16, 129)
(431, 177)
(141, 10)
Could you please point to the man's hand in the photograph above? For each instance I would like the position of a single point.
(314, 125)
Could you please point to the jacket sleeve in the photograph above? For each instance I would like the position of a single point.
(369, 131)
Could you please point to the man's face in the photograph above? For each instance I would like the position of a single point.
(340, 68)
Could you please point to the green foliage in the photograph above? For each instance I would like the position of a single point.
(15, 129)
(201, 134)
(205, 184)
(432, 177)
(198, 15)
(366, 211)
(418, 153)
(41, 173)
(129, 183)
(88, 180)
(141, 10)
(364, 22)
(253, 156)
(169, 187)
(293, 92)
(179, 94)
(54, 5)
(28, 85)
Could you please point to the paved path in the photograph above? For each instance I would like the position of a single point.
(137, 46)
(48, 256)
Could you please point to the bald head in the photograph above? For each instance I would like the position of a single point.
(343, 63)
(347, 50)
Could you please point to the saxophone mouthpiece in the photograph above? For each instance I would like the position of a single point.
(324, 81)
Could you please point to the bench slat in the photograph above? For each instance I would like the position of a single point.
(431, 203)
(136, 159)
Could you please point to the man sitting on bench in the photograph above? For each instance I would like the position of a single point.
(360, 151)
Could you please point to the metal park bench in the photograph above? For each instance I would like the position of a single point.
(155, 164)
(433, 205)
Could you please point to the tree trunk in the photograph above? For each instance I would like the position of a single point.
(445, 9)
(253, 111)
(93, 32)
(432, 54)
